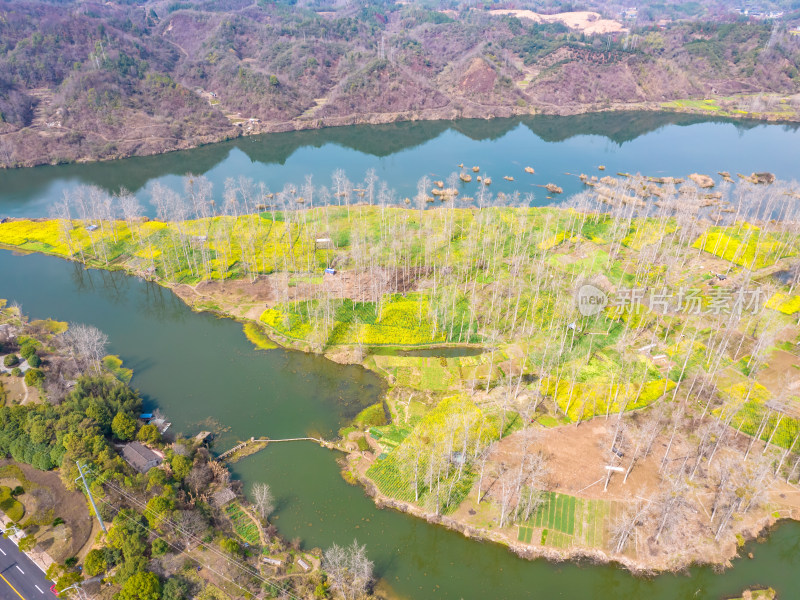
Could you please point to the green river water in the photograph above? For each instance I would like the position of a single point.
(202, 372)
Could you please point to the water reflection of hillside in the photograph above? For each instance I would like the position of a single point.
(385, 140)
(22, 185)
(376, 140)
(619, 127)
(42, 185)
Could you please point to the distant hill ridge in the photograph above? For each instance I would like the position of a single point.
(91, 81)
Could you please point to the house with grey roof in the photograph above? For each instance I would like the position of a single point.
(140, 457)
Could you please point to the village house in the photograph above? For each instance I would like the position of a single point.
(140, 457)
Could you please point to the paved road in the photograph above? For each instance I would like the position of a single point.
(20, 578)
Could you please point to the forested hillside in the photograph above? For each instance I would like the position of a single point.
(91, 80)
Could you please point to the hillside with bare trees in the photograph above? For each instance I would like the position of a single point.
(90, 81)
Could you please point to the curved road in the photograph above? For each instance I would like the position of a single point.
(20, 578)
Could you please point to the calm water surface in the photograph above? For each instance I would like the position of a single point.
(648, 143)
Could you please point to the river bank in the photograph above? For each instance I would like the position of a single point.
(636, 142)
(720, 556)
(131, 466)
(737, 108)
(638, 568)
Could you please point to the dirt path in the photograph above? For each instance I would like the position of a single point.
(44, 99)
(169, 41)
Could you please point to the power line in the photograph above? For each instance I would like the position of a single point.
(190, 536)
(182, 551)
(185, 533)
(76, 587)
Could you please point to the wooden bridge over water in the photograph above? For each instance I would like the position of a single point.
(266, 441)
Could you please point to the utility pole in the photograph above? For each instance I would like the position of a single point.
(91, 499)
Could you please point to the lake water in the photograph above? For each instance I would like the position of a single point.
(654, 144)
(203, 373)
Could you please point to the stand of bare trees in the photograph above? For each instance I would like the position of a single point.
(494, 276)
(86, 346)
(349, 570)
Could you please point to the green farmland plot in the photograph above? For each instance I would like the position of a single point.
(556, 539)
(243, 525)
(389, 436)
(569, 521)
(388, 475)
(525, 534)
(557, 512)
(595, 519)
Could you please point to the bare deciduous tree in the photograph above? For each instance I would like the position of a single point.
(263, 499)
(672, 509)
(349, 570)
(623, 530)
(191, 525)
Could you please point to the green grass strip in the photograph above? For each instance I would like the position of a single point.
(571, 515)
(590, 521)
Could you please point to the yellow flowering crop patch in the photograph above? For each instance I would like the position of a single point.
(553, 240)
(41, 236)
(256, 335)
(647, 232)
(745, 245)
(148, 253)
(784, 303)
(259, 245)
(600, 396)
(395, 475)
(754, 417)
(403, 321)
(289, 324)
(423, 373)
(150, 227)
(65, 238)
